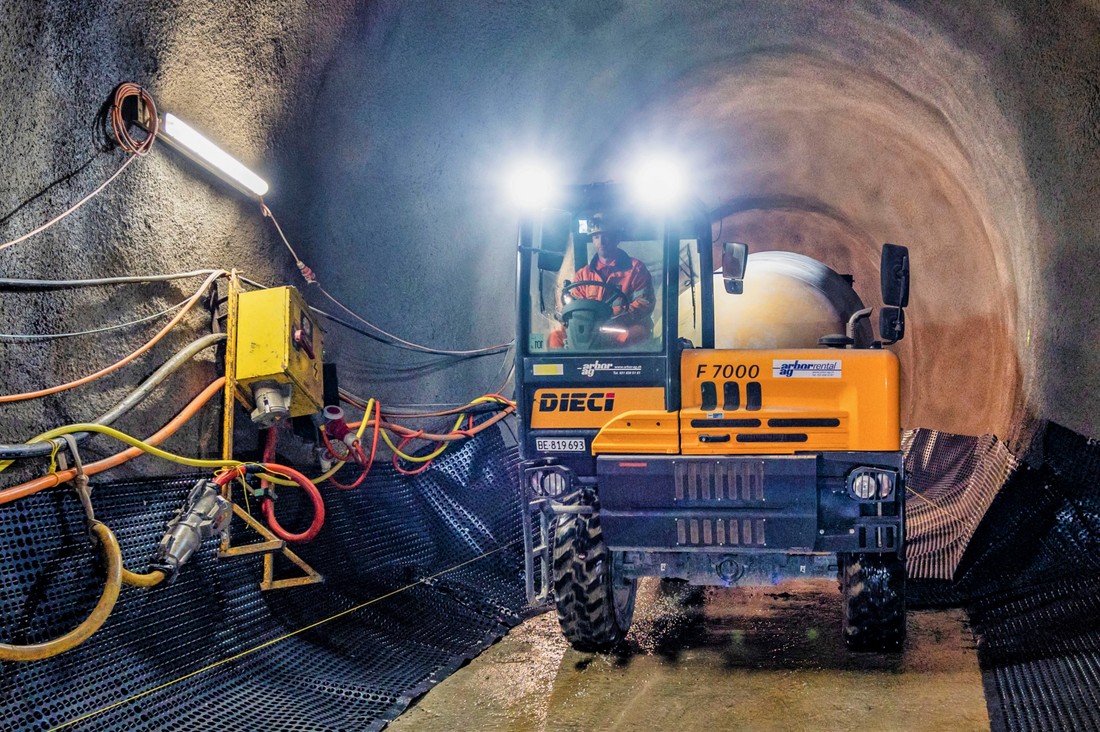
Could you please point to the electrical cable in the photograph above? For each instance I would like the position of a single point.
(37, 448)
(22, 490)
(413, 458)
(136, 148)
(8, 283)
(469, 407)
(442, 440)
(140, 444)
(487, 351)
(146, 579)
(37, 337)
(493, 350)
(8, 398)
(452, 436)
(311, 278)
(74, 207)
(327, 475)
(112, 556)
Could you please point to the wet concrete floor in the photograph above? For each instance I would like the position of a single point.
(717, 659)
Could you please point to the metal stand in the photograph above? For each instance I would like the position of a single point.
(230, 398)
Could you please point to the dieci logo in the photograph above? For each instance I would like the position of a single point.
(577, 401)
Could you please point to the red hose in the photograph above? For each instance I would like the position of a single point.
(267, 506)
(270, 440)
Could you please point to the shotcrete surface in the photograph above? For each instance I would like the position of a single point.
(720, 659)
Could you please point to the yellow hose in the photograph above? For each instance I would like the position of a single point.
(424, 458)
(150, 449)
(135, 442)
(148, 579)
(112, 554)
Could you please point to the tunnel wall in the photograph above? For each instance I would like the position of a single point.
(963, 133)
(971, 134)
(968, 135)
(241, 73)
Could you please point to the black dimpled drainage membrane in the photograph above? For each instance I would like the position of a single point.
(352, 673)
(1028, 573)
(1018, 546)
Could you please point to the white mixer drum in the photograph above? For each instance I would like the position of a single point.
(789, 301)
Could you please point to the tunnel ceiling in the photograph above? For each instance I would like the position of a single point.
(970, 135)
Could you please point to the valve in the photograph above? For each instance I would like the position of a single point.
(205, 513)
(337, 428)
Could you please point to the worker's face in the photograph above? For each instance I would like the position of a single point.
(606, 243)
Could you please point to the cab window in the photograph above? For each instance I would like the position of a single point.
(586, 304)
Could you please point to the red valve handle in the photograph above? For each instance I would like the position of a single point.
(306, 344)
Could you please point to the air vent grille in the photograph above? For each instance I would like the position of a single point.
(721, 532)
(726, 480)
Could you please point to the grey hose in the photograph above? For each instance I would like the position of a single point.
(19, 284)
(39, 449)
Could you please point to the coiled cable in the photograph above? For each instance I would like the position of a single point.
(123, 93)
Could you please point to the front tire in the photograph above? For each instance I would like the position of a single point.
(595, 608)
(873, 588)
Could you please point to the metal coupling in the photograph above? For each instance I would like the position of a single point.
(205, 513)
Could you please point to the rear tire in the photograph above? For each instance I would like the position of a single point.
(595, 608)
(873, 588)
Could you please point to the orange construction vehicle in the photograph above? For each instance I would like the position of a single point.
(721, 428)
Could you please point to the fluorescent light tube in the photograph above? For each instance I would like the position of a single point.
(177, 131)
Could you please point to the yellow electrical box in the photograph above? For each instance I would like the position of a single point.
(278, 354)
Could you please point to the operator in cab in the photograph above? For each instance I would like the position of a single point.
(629, 292)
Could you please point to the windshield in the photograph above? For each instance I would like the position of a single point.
(606, 295)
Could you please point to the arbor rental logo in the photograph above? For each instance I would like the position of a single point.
(813, 369)
(590, 369)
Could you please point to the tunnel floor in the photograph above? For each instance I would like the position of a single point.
(740, 658)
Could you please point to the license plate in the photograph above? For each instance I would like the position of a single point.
(550, 444)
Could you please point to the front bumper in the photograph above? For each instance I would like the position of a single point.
(790, 504)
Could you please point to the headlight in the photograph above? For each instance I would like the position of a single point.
(869, 484)
(864, 486)
(885, 485)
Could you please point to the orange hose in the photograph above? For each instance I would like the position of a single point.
(31, 487)
(403, 432)
(118, 364)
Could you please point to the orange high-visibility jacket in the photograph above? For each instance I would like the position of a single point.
(629, 275)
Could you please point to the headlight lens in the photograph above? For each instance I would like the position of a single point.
(864, 485)
(869, 484)
(885, 485)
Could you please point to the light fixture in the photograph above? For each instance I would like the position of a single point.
(189, 141)
(871, 484)
(531, 185)
(658, 182)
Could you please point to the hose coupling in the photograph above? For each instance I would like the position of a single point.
(204, 513)
(336, 427)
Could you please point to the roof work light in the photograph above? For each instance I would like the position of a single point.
(532, 185)
(658, 182)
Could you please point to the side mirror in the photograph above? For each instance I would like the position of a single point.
(735, 256)
(891, 324)
(894, 274)
(554, 240)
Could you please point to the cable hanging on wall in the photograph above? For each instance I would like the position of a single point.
(136, 147)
